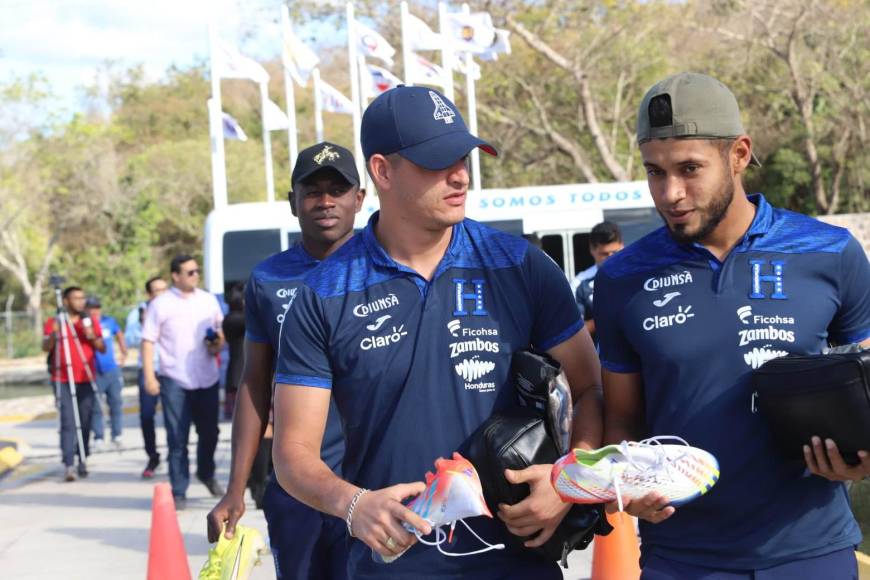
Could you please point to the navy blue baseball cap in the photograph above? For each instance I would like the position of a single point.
(421, 125)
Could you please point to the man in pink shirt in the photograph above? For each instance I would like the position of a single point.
(185, 325)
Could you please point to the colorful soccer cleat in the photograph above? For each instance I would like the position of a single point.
(452, 493)
(632, 469)
(233, 559)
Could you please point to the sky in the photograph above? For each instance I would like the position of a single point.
(68, 40)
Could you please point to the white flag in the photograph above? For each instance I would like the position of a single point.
(424, 72)
(501, 45)
(233, 65)
(299, 60)
(372, 44)
(420, 36)
(232, 129)
(382, 80)
(470, 32)
(333, 101)
(459, 66)
(274, 118)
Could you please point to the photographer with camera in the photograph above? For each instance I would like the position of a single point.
(71, 338)
(185, 325)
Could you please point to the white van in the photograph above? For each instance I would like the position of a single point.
(238, 236)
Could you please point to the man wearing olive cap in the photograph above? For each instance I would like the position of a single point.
(683, 317)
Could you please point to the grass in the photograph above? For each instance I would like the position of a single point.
(860, 493)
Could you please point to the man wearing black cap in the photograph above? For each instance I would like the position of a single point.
(683, 317)
(325, 197)
(410, 326)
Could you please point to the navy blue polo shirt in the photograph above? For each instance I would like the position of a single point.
(272, 286)
(695, 328)
(416, 366)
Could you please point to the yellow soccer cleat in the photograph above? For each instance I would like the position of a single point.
(233, 559)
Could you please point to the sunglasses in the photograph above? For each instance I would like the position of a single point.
(194, 272)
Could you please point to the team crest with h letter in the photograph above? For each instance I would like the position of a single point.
(773, 276)
(466, 292)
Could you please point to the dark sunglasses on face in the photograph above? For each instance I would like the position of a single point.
(194, 272)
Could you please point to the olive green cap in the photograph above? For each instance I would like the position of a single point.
(701, 107)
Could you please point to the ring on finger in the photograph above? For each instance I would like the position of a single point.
(391, 543)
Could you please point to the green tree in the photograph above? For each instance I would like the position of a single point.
(803, 67)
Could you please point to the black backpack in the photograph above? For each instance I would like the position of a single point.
(520, 437)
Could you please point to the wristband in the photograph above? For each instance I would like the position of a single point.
(349, 518)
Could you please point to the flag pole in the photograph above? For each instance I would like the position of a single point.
(290, 98)
(406, 46)
(354, 88)
(472, 112)
(318, 106)
(446, 51)
(216, 123)
(365, 81)
(267, 144)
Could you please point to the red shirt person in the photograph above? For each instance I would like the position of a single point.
(80, 353)
(58, 365)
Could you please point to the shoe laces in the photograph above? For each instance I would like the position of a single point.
(661, 463)
(441, 537)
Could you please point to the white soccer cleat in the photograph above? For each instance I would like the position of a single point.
(632, 469)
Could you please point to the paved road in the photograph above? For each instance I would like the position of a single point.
(99, 527)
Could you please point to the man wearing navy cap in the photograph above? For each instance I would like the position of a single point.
(410, 326)
(326, 196)
(683, 317)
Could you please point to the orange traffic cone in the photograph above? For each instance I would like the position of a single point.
(167, 559)
(616, 556)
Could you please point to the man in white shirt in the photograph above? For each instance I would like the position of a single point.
(185, 325)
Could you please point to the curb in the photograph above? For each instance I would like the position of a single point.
(29, 473)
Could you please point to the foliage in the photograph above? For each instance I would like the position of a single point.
(107, 196)
(860, 495)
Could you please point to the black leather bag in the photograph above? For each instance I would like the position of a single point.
(827, 395)
(517, 438)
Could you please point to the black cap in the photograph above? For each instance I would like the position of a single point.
(322, 156)
(92, 302)
(421, 125)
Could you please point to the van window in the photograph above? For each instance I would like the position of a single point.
(634, 223)
(552, 246)
(244, 250)
(582, 258)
